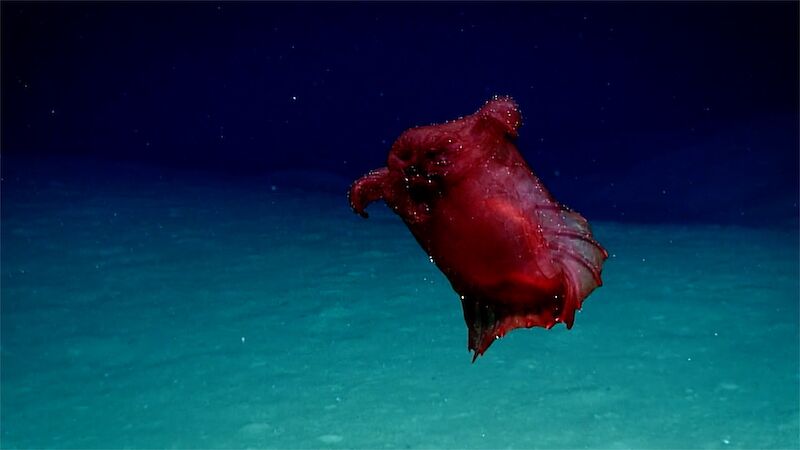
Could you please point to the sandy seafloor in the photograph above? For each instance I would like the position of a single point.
(149, 311)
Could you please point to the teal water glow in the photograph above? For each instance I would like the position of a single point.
(146, 311)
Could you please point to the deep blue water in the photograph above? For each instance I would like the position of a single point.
(179, 266)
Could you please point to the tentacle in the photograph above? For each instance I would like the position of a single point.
(578, 235)
(367, 189)
(582, 260)
(572, 300)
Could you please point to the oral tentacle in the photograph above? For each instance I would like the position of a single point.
(367, 189)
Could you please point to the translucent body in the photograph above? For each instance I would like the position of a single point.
(516, 256)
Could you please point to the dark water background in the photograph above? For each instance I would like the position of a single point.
(639, 111)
